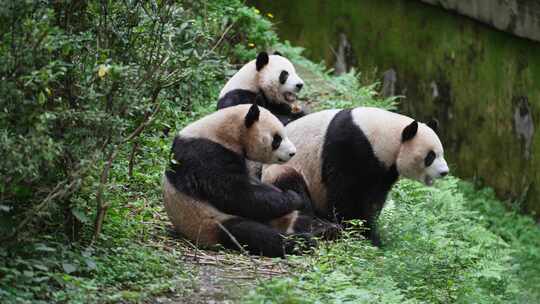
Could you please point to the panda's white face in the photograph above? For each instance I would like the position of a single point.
(282, 149)
(265, 139)
(437, 169)
(421, 156)
(278, 80)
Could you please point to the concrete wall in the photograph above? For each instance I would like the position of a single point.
(519, 17)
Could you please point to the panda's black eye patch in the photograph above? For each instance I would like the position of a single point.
(430, 157)
(283, 77)
(276, 142)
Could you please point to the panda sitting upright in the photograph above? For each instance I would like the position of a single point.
(210, 198)
(269, 81)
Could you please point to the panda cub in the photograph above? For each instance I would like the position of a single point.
(209, 195)
(350, 160)
(269, 81)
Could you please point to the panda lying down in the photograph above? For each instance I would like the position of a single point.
(211, 199)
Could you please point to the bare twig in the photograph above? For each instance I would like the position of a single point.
(148, 118)
(235, 241)
(132, 158)
(101, 206)
(222, 37)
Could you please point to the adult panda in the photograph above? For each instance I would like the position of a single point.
(209, 196)
(351, 158)
(269, 81)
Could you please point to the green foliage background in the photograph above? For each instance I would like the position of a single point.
(91, 94)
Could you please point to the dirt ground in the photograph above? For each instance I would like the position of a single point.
(222, 277)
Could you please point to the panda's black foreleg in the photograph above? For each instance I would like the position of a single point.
(369, 231)
(258, 238)
(292, 180)
(372, 232)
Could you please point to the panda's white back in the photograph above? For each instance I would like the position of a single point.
(244, 79)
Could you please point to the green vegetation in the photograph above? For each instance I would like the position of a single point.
(448, 244)
(92, 95)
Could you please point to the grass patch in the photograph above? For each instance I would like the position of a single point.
(447, 244)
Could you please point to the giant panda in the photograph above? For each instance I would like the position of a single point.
(351, 158)
(209, 196)
(270, 81)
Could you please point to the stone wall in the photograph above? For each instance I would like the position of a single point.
(519, 17)
(481, 83)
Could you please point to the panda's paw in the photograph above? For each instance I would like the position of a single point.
(296, 201)
(375, 238)
(299, 243)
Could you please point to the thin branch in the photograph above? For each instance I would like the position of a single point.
(132, 158)
(148, 118)
(222, 37)
(235, 241)
(101, 206)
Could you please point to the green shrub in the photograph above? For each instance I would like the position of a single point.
(438, 248)
(92, 93)
(81, 80)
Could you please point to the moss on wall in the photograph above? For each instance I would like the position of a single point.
(481, 74)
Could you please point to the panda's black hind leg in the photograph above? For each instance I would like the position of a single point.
(258, 238)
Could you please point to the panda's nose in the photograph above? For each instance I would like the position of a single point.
(444, 173)
(292, 154)
(299, 86)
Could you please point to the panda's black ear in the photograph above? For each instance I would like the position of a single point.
(434, 125)
(277, 53)
(262, 60)
(252, 115)
(409, 132)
